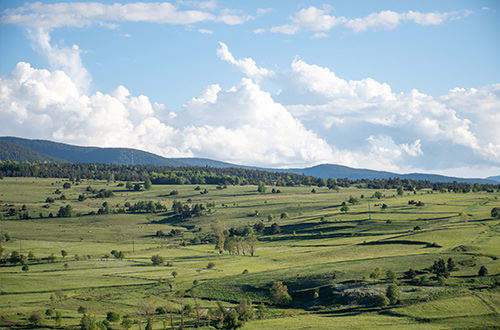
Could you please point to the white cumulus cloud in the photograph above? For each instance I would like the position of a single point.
(320, 20)
(245, 65)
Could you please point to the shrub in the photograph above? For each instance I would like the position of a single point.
(36, 319)
(393, 294)
(483, 271)
(279, 294)
(381, 300)
(157, 260)
(391, 276)
(113, 317)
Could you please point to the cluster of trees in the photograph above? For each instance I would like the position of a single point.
(186, 210)
(234, 241)
(144, 206)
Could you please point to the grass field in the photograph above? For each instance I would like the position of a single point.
(319, 249)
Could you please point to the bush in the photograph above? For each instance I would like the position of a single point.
(279, 294)
(381, 300)
(391, 276)
(393, 294)
(113, 317)
(210, 265)
(483, 271)
(157, 260)
(36, 319)
(275, 228)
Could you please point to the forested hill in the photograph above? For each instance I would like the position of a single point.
(21, 150)
(340, 171)
(12, 151)
(76, 154)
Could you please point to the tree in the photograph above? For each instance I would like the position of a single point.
(377, 195)
(65, 211)
(393, 294)
(64, 253)
(196, 305)
(381, 300)
(147, 184)
(88, 323)
(275, 228)
(118, 254)
(58, 318)
(36, 319)
(218, 228)
(483, 271)
(149, 325)
(344, 209)
(353, 200)
(262, 187)
(157, 260)
(67, 185)
(14, 257)
(245, 309)
(279, 294)
(25, 268)
(126, 322)
(261, 312)
(495, 212)
(129, 185)
(410, 274)
(451, 265)
(137, 186)
(400, 191)
(251, 243)
(82, 310)
(377, 272)
(113, 317)
(441, 280)
(391, 276)
(439, 268)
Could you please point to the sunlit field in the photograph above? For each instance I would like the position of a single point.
(326, 257)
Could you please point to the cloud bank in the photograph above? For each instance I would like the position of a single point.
(82, 14)
(319, 20)
(317, 117)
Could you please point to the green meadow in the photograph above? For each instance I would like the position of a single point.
(326, 257)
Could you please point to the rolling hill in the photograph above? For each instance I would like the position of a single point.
(21, 150)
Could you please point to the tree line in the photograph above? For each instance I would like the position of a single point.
(220, 176)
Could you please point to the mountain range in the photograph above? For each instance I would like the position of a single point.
(27, 150)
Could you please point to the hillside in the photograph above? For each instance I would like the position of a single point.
(77, 154)
(15, 152)
(495, 178)
(340, 171)
(43, 150)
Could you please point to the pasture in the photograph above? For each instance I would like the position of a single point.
(326, 257)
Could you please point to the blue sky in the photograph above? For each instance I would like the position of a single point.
(403, 86)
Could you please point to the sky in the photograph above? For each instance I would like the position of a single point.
(402, 86)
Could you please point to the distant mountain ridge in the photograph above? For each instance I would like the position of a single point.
(20, 149)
